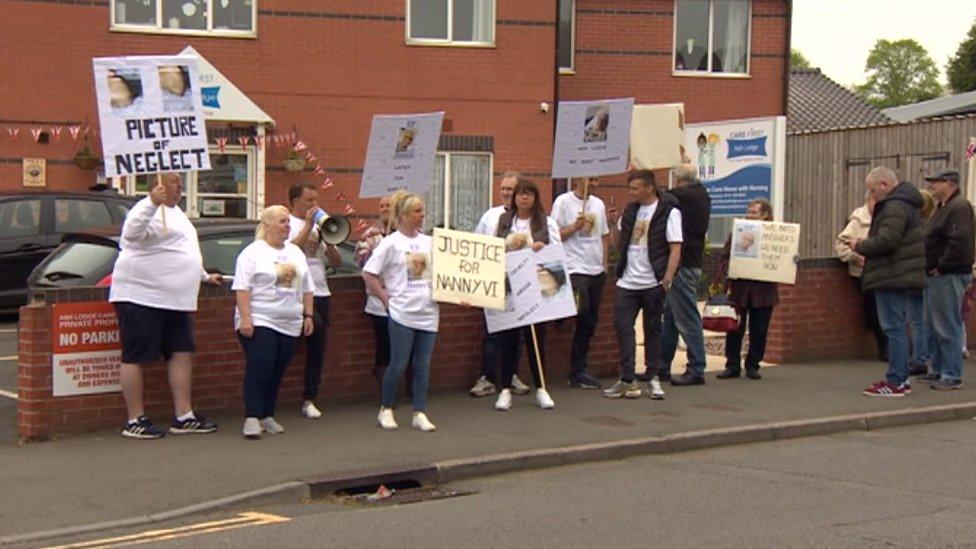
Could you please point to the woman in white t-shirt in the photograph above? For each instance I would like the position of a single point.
(525, 224)
(398, 274)
(274, 290)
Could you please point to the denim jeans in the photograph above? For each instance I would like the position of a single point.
(266, 355)
(625, 309)
(921, 336)
(681, 316)
(408, 345)
(945, 323)
(894, 309)
(589, 294)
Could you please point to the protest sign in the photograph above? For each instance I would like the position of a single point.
(85, 351)
(764, 250)
(537, 289)
(400, 154)
(469, 268)
(151, 114)
(657, 136)
(592, 138)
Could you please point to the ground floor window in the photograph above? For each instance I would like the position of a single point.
(460, 191)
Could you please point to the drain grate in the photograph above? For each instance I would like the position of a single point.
(403, 492)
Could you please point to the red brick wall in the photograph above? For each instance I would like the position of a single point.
(219, 367)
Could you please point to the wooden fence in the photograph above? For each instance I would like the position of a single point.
(825, 171)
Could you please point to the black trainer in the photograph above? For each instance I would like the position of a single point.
(687, 379)
(583, 380)
(196, 424)
(142, 428)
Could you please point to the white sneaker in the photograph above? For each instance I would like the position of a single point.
(504, 402)
(310, 411)
(518, 387)
(421, 422)
(271, 426)
(386, 419)
(656, 392)
(544, 400)
(482, 388)
(252, 428)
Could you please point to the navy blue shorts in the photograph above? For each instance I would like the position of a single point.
(148, 333)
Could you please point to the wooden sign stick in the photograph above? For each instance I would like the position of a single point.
(159, 181)
(538, 357)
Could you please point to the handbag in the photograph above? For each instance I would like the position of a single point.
(719, 315)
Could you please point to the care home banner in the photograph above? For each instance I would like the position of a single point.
(736, 161)
(537, 289)
(151, 114)
(400, 154)
(592, 138)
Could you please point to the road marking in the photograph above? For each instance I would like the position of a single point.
(8, 394)
(240, 521)
(7, 330)
(8, 357)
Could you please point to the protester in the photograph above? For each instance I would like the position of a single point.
(950, 238)
(303, 198)
(583, 229)
(894, 269)
(524, 224)
(754, 301)
(275, 288)
(405, 293)
(368, 242)
(648, 236)
(490, 354)
(681, 314)
(857, 229)
(922, 339)
(155, 284)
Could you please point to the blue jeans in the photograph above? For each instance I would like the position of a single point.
(894, 310)
(408, 346)
(266, 355)
(681, 315)
(920, 332)
(945, 323)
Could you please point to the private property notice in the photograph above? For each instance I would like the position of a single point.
(85, 350)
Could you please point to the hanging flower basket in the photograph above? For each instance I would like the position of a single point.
(294, 162)
(85, 159)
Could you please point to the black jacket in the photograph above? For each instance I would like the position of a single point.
(950, 237)
(894, 249)
(696, 208)
(658, 249)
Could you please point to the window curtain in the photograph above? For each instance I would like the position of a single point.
(736, 34)
(470, 183)
(482, 19)
(434, 198)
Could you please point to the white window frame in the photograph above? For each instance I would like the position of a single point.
(447, 179)
(571, 69)
(711, 43)
(159, 29)
(450, 30)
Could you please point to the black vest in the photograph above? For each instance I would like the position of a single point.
(657, 235)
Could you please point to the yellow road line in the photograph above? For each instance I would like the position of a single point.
(240, 521)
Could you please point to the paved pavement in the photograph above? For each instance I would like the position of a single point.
(8, 378)
(854, 489)
(101, 477)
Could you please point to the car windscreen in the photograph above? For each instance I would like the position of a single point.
(78, 260)
(220, 251)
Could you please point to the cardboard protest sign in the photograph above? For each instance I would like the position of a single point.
(400, 154)
(592, 138)
(537, 289)
(151, 114)
(469, 268)
(657, 135)
(86, 355)
(764, 250)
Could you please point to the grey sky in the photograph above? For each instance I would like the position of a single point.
(836, 35)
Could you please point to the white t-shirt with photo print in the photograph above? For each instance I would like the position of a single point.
(584, 248)
(639, 274)
(314, 255)
(277, 280)
(404, 264)
(521, 234)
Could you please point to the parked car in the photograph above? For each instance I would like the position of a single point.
(87, 258)
(33, 223)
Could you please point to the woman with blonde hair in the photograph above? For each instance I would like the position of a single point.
(274, 291)
(856, 229)
(413, 315)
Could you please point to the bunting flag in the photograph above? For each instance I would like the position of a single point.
(13, 132)
(310, 157)
(221, 143)
(349, 209)
(244, 140)
(362, 225)
(328, 183)
(300, 146)
(74, 131)
(56, 131)
(36, 132)
(341, 197)
(971, 149)
(258, 141)
(318, 170)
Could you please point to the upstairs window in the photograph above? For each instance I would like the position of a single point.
(194, 17)
(567, 35)
(455, 22)
(711, 36)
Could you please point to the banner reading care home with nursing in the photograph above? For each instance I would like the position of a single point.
(592, 138)
(400, 154)
(85, 351)
(736, 161)
(151, 114)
